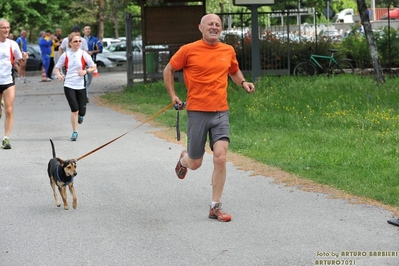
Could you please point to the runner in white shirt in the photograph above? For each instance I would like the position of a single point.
(9, 51)
(75, 61)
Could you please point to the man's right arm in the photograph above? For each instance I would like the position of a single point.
(169, 81)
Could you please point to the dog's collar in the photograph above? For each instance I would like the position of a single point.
(59, 179)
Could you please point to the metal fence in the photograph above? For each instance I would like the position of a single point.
(280, 33)
(284, 42)
(279, 37)
(276, 36)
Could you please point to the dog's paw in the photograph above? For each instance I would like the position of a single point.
(66, 207)
(58, 205)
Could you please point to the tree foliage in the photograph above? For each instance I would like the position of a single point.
(34, 15)
(37, 15)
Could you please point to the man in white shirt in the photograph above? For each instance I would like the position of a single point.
(9, 52)
(64, 45)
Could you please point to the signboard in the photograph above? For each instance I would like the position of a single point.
(183, 19)
(253, 2)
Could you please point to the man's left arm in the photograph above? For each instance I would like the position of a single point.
(20, 56)
(99, 46)
(239, 79)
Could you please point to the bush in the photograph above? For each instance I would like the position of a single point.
(355, 47)
(385, 39)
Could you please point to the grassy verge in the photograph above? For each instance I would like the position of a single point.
(341, 131)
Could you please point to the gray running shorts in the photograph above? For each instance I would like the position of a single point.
(203, 124)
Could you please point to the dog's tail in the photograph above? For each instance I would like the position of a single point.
(52, 147)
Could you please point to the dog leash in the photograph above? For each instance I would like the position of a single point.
(109, 142)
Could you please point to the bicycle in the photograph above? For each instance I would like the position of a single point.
(313, 67)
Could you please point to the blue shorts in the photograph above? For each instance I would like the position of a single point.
(203, 124)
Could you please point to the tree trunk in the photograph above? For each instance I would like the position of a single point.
(101, 16)
(365, 20)
(116, 26)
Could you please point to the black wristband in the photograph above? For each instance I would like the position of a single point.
(242, 83)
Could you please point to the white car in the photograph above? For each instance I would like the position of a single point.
(108, 41)
(332, 35)
(108, 59)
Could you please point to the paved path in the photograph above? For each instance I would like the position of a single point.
(132, 209)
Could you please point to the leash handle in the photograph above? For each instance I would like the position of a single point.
(109, 142)
(178, 108)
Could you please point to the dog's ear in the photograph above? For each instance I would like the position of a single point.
(60, 160)
(70, 161)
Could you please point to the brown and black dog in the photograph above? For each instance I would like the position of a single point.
(62, 173)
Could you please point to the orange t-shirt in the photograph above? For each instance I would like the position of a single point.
(206, 68)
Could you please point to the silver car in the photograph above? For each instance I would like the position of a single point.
(154, 60)
(120, 49)
(108, 59)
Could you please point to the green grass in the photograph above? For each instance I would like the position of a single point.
(341, 131)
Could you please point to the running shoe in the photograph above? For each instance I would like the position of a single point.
(74, 136)
(217, 213)
(80, 119)
(180, 170)
(6, 144)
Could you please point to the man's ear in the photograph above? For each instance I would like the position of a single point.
(200, 27)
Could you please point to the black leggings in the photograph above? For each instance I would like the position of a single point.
(76, 100)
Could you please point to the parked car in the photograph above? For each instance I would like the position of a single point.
(108, 41)
(332, 35)
(108, 59)
(120, 49)
(393, 15)
(34, 61)
(346, 16)
(155, 60)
